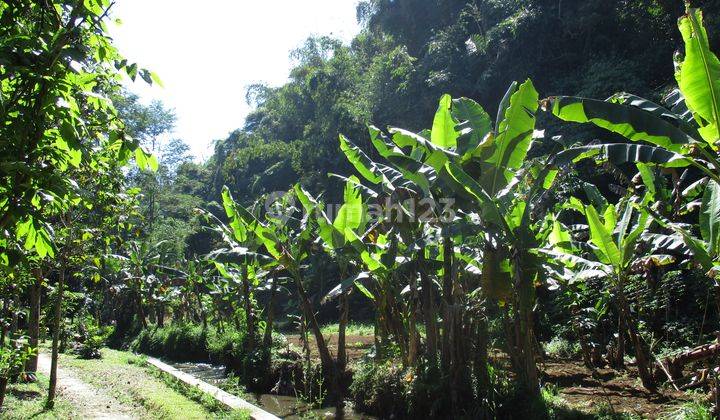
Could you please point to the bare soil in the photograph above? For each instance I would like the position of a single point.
(620, 391)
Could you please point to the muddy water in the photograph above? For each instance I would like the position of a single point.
(285, 407)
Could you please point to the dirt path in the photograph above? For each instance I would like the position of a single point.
(91, 402)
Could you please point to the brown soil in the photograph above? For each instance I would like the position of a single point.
(620, 391)
(356, 345)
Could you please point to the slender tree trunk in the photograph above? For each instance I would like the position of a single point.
(342, 355)
(3, 388)
(56, 337)
(643, 362)
(429, 312)
(619, 356)
(267, 339)
(525, 328)
(34, 322)
(140, 309)
(582, 339)
(203, 313)
(3, 333)
(249, 318)
(481, 359)
(326, 360)
(160, 313)
(15, 316)
(447, 297)
(414, 337)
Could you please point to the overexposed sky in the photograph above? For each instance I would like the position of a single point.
(207, 53)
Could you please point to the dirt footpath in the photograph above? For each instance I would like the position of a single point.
(90, 402)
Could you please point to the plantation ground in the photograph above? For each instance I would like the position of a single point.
(570, 384)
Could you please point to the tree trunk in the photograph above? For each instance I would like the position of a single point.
(267, 339)
(140, 310)
(326, 360)
(3, 388)
(619, 356)
(525, 328)
(160, 313)
(447, 300)
(643, 362)
(249, 318)
(429, 310)
(56, 338)
(481, 359)
(34, 321)
(3, 328)
(414, 337)
(344, 309)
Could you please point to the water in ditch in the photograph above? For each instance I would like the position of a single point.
(285, 407)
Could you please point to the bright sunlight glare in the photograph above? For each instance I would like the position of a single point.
(206, 54)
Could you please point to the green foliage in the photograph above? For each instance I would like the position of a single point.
(13, 358)
(181, 342)
(561, 348)
(58, 122)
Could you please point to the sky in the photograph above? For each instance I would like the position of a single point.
(207, 53)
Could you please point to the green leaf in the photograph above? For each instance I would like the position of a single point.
(710, 216)
(620, 153)
(475, 123)
(443, 132)
(238, 226)
(699, 75)
(630, 122)
(489, 211)
(515, 130)
(599, 235)
(364, 165)
(352, 213)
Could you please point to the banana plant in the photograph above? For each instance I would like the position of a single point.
(341, 240)
(287, 247)
(612, 251)
(137, 270)
(684, 134)
(483, 167)
(502, 187)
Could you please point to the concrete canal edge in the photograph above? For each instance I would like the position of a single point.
(230, 401)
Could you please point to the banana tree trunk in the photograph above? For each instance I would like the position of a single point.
(524, 325)
(642, 358)
(480, 363)
(328, 366)
(447, 297)
(344, 310)
(56, 339)
(249, 317)
(139, 306)
(267, 339)
(414, 337)
(429, 310)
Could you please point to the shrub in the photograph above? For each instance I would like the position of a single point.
(561, 348)
(181, 342)
(380, 389)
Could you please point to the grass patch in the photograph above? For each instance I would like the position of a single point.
(126, 377)
(27, 401)
(352, 329)
(692, 410)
